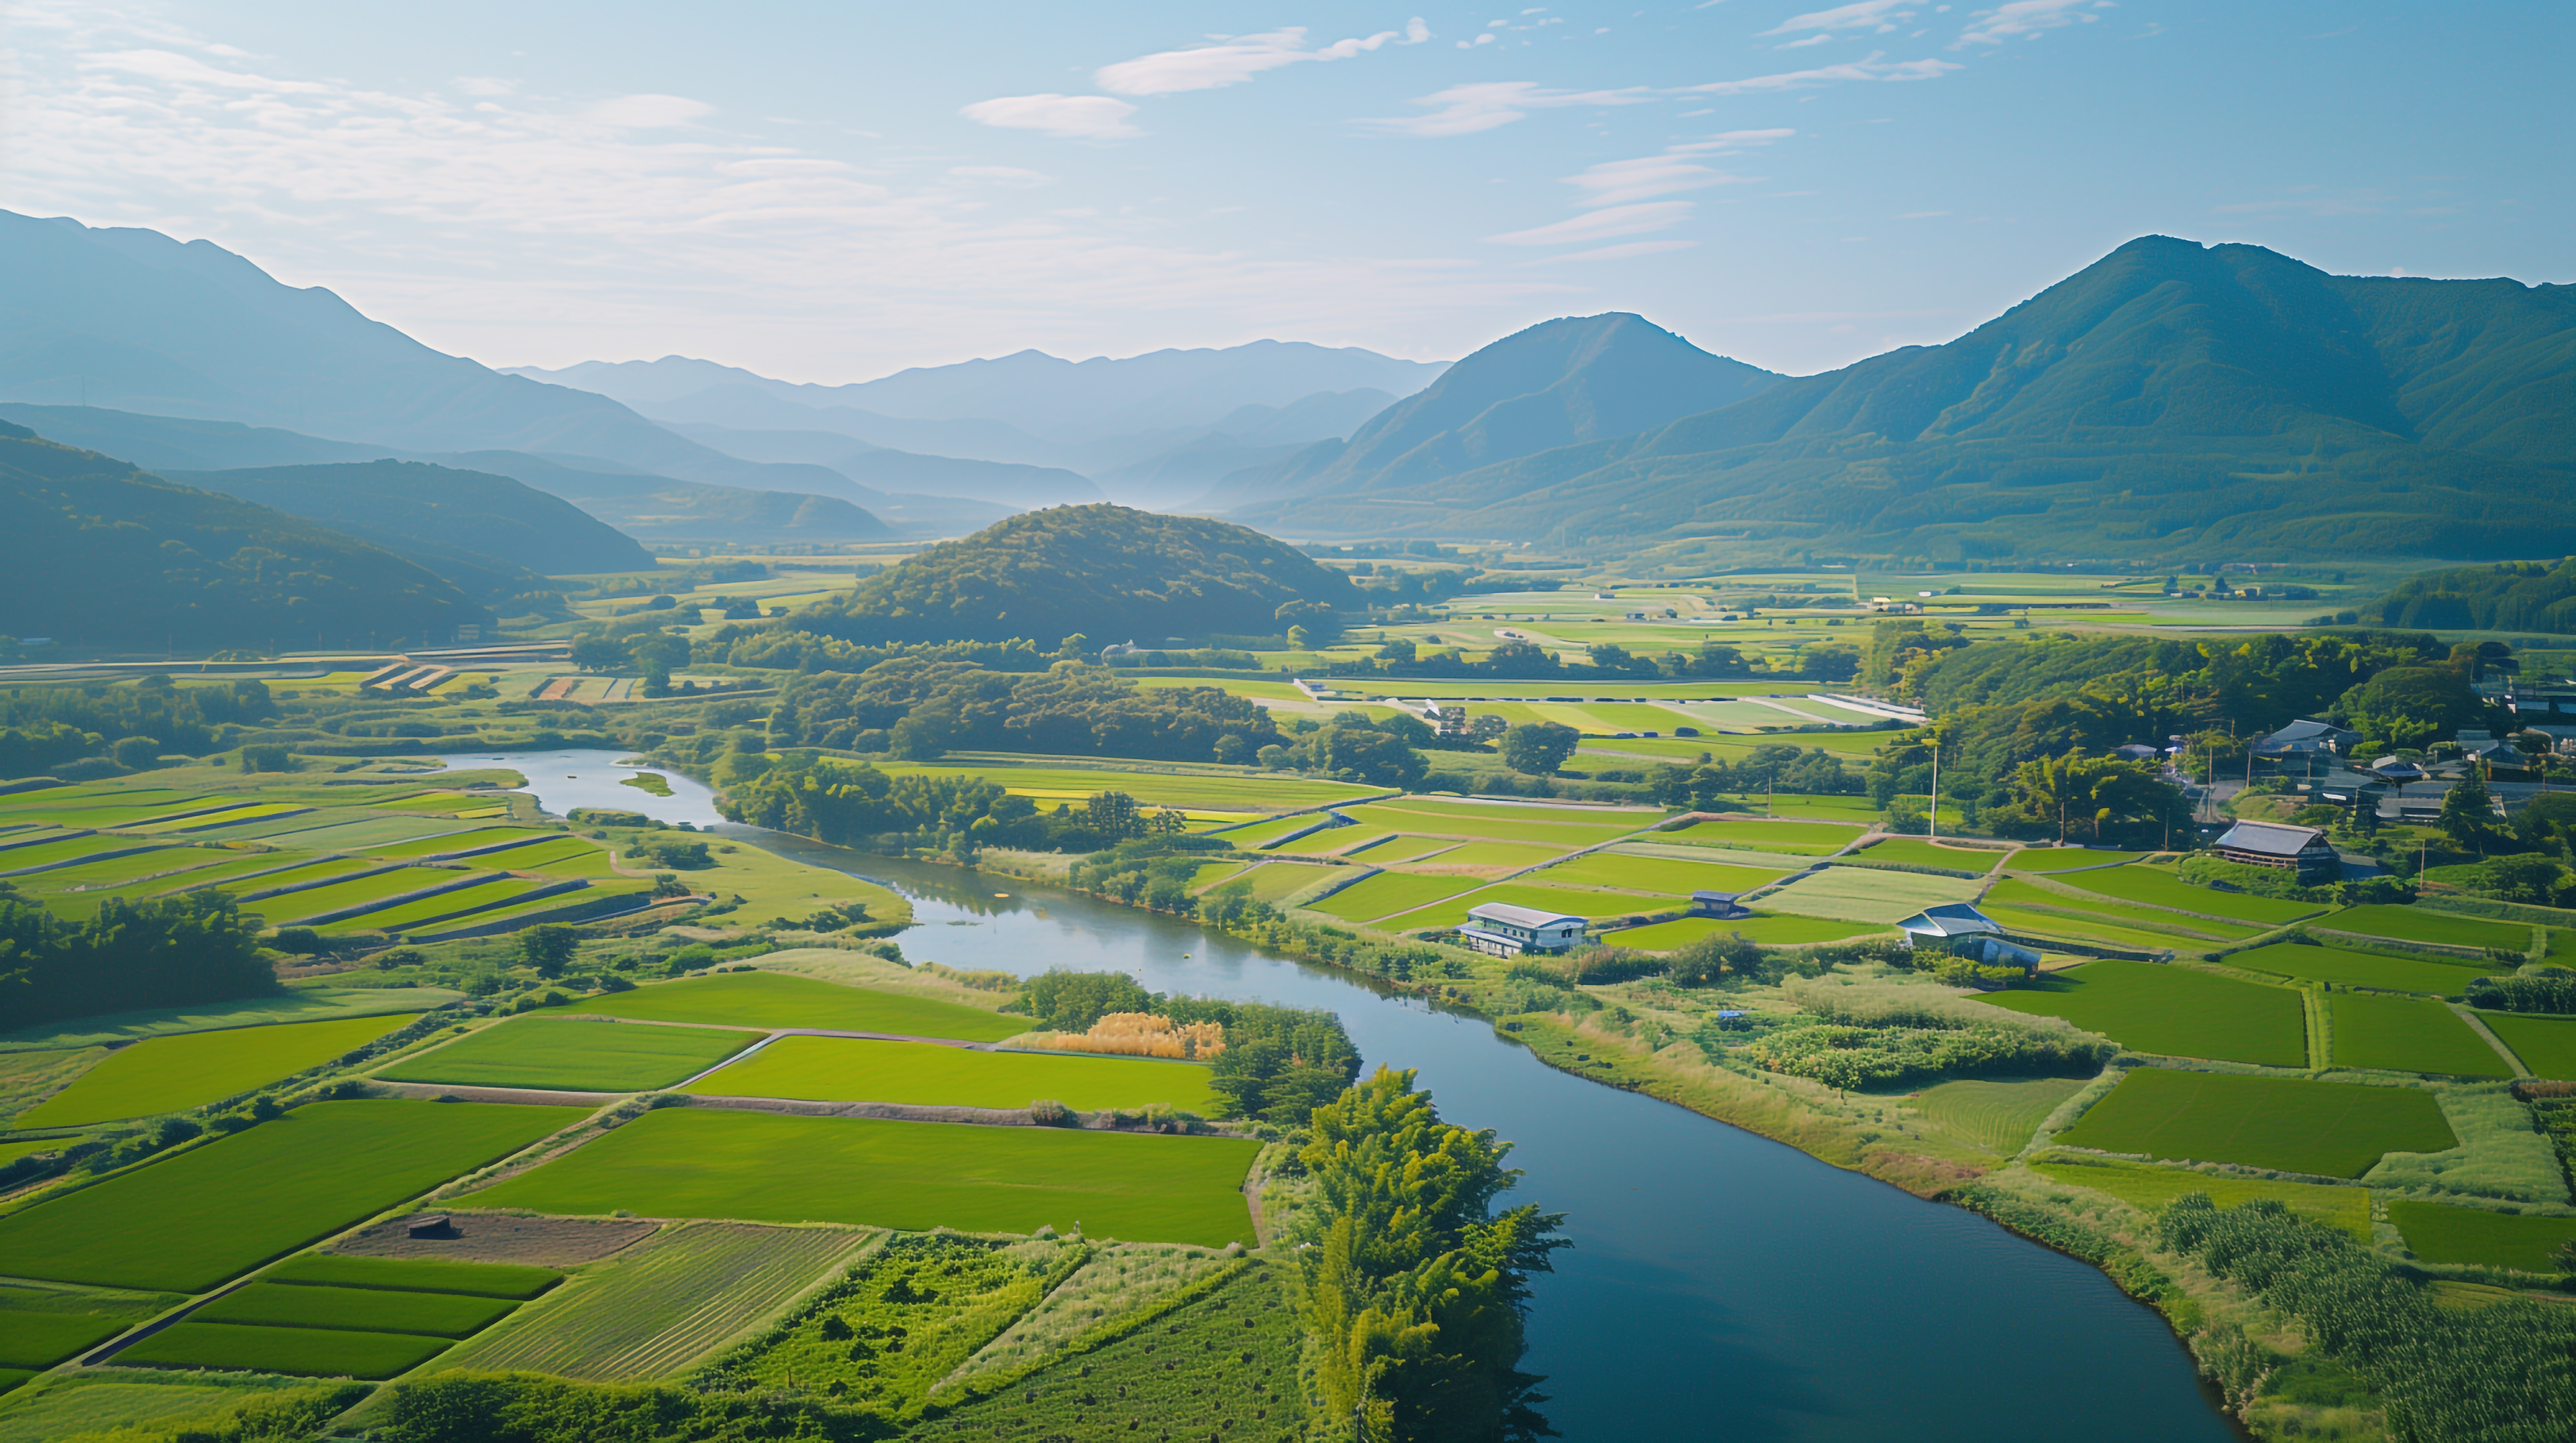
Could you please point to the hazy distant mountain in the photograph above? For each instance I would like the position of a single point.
(884, 469)
(400, 504)
(103, 555)
(136, 321)
(1554, 384)
(1248, 438)
(1046, 397)
(2170, 401)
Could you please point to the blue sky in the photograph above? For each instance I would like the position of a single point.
(830, 192)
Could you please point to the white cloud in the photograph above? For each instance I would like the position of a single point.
(1819, 39)
(648, 112)
(1010, 175)
(2026, 18)
(484, 85)
(1079, 117)
(1602, 224)
(1874, 67)
(1467, 109)
(1878, 15)
(1620, 182)
(1235, 59)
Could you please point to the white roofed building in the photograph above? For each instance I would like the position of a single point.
(1503, 930)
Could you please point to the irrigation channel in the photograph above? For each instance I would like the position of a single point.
(1721, 1285)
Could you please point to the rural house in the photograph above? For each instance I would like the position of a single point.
(2305, 741)
(2303, 850)
(1957, 928)
(1502, 930)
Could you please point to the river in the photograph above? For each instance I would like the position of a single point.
(1721, 1285)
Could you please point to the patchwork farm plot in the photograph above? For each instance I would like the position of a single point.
(1997, 1114)
(2409, 1034)
(776, 999)
(2524, 1242)
(2176, 1011)
(573, 1055)
(170, 1074)
(1637, 872)
(840, 1069)
(2348, 968)
(2144, 1186)
(763, 1167)
(42, 1324)
(1914, 852)
(2083, 932)
(2082, 908)
(1585, 902)
(1389, 893)
(2066, 859)
(2546, 1045)
(2420, 924)
(1769, 929)
(1797, 839)
(2158, 887)
(2327, 1129)
(1856, 894)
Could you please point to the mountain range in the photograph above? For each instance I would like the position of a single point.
(2171, 401)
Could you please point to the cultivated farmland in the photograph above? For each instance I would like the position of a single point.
(410, 1275)
(261, 1193)
(1388, 893)
(1797, 839)
(1859, 894)
(294, 1305)
(1668, 875)
(841, 1069)
(1997, 1114)
(773, 999)
(2420, 924)
(1919, 853)
(2409, 1034)
(2089, 908)
(2328, 1129)
(573, 1054)
(2347, 968)
(2150, 1187)
(754, 1166)
(2440, 1234)
(2159, 888)
(312, 1352)
(2546, 1045)
(1767, 929)
(168, 1074)
(2172, 1010)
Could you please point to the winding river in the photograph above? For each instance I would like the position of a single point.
(1721, 1285)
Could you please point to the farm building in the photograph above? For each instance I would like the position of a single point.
(1719, 904)
(1502, 930)
(2396, 771)
(2303, 850)
(1958, 928)
(2304, 741)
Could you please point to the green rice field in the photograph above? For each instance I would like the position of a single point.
(1332, 839)
(1667, 875)
(299, 1305)
(2141, 1185)
(2159, 888)
(764, 1167)
(1503, 824)
(1915, 852)
(2172, 1010)
(311, 1352)
(2418, 924)
(1797, 839)
(1252, 792)
(842, 1069)
(1271, 881)
(170, 1074)
(573, 1054)
(415, 1275)
(1770, 930)
(1403, 849)
(1494, 855)
(1259, 833)
(2408, 1034)
(117, 871)
(48, 854)
(2348, 968)
(663, 1304)
(453, 842)
(482, 895)
(1858, 894)
(586, 901)
(2066, 859)
(2014, 892)
(242, 874)
(41, 1324)
(1997, 1114)
(2083, 929)
(2525, 1242)
(316, 901)
(301, 1004)
(1567, 900)
(2290, 1124)
(261, 1193)
(775, 999)
(1388, 893)
(2546, 1045)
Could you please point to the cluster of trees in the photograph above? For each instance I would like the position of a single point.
(2492, 1374)
(1279, 1063)
(42, 728)
(919, 707)
(2540, 989)
(2528, 596)
(161, 952)
(853, 804)
(1415, 1289)
(1775, 766)
(789, 650)
(1527, 661)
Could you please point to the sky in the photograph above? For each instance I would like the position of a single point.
(832, 192)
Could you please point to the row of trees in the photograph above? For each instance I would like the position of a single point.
(42, 728)
(919, 707)
(162, 952)
(1519, 660)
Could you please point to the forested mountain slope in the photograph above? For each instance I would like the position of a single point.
(398, 503)
(2170, 401)
(102, 555)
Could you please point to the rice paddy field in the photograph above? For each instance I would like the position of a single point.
(1561, 827)
(1332, 839)
(2525, 1242)
(2347, 968)
(2546, 1045)
(1260, 834)
(2149, 1187)
(1247, 791)
(663, 1305)
(776, 999)
(312, 1352)
(573, 1054)
(2288, 1124)
(171, 1074)
(764, 1167)
(2066, 859)
(1919, 853)
(261, 1193)
(302, 1305)
(1666, 875)
(1859, 894)
(2159, 888)
(2408, 1034)
(1494, 856)
(1997, 1114)
(301, 1004)
(1771, 930)
(2418, 924)
(841, 1069)
(42, 1324)
(2176, 1011)
(1570, 901)
(1389, 893)
(2089, 907)
(1402, 849)
(1271, 881)
(512, 1281)
(2078, 930)
(1797, 839)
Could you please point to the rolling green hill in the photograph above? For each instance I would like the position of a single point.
(2170, 401)
(105, 556)
(400, 504)
(1108, 572)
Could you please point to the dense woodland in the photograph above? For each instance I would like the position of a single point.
(164, 952)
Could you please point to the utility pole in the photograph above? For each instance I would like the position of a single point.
(1935, 825)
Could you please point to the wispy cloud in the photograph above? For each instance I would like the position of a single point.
(1872, 67)
(2027, 19)
(1235, 59)
(1624, 251)
(1602, 224)
(1077, 117)
(1467, 109)
(1678, 168)
(1880, 16)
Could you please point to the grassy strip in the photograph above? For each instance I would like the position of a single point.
(290, 1305)
(2546, 1045)
(987, 1385)
(573, 1054)
(773, 999)
(2348, 968)
(311, 1352)
(2148, 1187)
(841, 1069)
